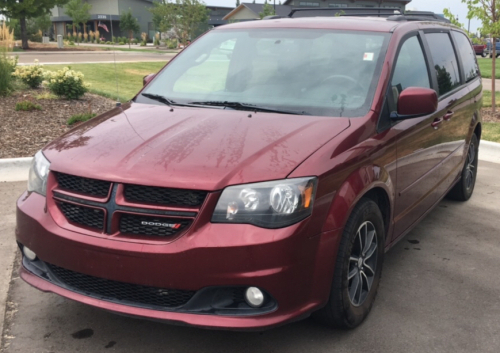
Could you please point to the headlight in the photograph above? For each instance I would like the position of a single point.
(39, 171)
(273, 204)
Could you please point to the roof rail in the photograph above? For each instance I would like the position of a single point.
(346, 11)
(419, 16)
(392, 13)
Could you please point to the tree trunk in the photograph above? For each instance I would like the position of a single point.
(129, 38)
(24, 35)
(493, 73)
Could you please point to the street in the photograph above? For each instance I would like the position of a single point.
(439, 292)
(89, 57)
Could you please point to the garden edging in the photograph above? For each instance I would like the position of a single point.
(16, 169)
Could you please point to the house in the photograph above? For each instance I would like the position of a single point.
(251, 11)
(108, 13)
(400, 4)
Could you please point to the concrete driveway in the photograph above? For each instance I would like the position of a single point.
(440, 292)
(91, 57)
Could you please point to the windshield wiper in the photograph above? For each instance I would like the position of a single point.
(250, 107)
(158, 98)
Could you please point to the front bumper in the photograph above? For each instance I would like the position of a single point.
(292, 267)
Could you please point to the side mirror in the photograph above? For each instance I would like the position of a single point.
(415, 102)
(147, 79)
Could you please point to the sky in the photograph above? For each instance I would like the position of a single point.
(456, 6)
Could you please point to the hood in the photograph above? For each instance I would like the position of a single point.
(192, 148)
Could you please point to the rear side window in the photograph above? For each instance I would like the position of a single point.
(467, 55)
(445, 62)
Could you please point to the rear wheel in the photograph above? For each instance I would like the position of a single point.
(483, 54)
(358, 268)
(463, 190)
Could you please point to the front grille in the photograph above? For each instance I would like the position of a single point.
(89, 217)
(164, 196)
(151, 226)
(92, 187)
(119, 291)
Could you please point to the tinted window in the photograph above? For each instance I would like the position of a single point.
(467, 55)
(445, 61)
(411, 68)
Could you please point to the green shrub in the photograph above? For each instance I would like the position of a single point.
(46, 95)
(143, 44)
(36, 37)
(71, 42)
(80, 118)
(7, 67)
(27, 106)
(67, 83)
(121, 43)
(172, 43)
(31, 75)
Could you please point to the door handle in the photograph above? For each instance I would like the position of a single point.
(448, 115)
(436, 122)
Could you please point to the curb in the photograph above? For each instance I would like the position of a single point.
(16, 169)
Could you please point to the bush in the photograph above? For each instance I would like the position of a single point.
(7, 67)
(80, 118)
(27, 106)
(67, 83)
(71, 43)
(37, 37)
(172, 43)
(32, 75)
(143, 44)
(121, 43)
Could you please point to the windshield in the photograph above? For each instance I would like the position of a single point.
(306, 71)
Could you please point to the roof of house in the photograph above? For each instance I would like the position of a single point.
(281, 10)
(287, 2)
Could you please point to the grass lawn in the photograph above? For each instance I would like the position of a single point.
(103, 79)
(491, 132)
(487, 99)
(485, 66)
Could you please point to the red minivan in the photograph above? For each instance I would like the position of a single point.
(261, 175)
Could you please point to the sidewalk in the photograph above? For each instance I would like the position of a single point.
(487, 84)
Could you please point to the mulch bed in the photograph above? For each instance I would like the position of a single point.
(22, 133)
(489, 116)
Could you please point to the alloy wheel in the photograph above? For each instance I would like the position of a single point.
(362, 263)
(470, 167)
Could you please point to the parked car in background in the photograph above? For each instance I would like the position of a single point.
(242, 192)
(479, 49)
(488, 50)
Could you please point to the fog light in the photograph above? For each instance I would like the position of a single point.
(29, 253)
(254, 297)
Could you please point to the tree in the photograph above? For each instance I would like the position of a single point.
(267, 10)
(43, 23)
(128, 23)
(184, 17)
(453, 19)
(79, 12)
(23, 10)
(488, 12)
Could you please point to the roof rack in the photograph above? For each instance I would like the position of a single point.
(392, 13)
(346, 11)
(419, 16)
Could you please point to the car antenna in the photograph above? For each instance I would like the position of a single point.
(118, 103)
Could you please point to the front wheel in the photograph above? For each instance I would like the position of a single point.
(464, 188)
(483, 54)
(358, 268)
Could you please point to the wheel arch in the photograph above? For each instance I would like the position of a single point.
(370, 182)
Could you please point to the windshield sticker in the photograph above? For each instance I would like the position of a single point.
(368, 56)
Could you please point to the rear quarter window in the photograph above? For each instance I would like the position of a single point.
(445, 61)
(467, 54)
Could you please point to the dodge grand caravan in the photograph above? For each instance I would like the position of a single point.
(259, 177)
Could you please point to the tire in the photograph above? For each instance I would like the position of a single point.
(348, 306)
(483, 54)
(463, 189)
